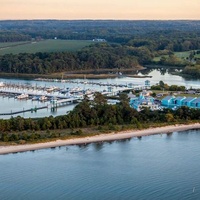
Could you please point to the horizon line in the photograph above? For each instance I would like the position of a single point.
(89, 19)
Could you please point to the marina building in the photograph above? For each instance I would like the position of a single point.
(143, 101)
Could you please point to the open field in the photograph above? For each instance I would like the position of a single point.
(174, 93)
(182, 55)
(10, 44)
(43, 46)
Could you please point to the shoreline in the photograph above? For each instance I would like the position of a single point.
(103, 73)
(98, 138)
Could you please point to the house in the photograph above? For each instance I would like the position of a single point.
(178, 100)
(174, 102)
(168, 101)
(191, 91)
(99, 40)
(196, 103)
(187, 101)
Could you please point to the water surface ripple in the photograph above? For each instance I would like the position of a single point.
(155, 167)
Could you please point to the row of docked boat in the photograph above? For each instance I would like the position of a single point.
(82, 82)
(35, 98)
(40, 98)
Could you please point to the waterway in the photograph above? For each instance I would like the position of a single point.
(153, 167)
(11, 104)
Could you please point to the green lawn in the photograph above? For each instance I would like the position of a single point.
(175, 93)
(7, 44)
(157, 59)
(43, 46)
(182, 55)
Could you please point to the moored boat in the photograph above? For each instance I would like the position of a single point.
(43, 98)
(35, 98)
(23, 96)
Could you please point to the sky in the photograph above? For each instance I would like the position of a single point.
(100, 9)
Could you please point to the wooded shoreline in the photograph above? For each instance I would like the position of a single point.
(99, 138)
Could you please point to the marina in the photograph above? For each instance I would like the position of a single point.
(42, 91)
(55, 96)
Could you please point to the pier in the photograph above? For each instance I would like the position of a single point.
(25, 110)
(63, 102)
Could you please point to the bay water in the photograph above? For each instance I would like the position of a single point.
(152, 167)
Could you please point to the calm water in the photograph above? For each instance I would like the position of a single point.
(6, 105)
(155, 167)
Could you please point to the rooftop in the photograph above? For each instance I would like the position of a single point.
(179, 98)
(196, 100)
(188, 99)
(168, 98)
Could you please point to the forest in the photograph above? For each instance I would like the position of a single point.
(120, 31)
(97, 114)
(128, 44)
(101, 55)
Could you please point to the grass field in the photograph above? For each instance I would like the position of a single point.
(174, 93)
(7, 44)
(43, 46)
(182, 55)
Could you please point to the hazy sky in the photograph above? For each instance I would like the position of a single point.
(100, 9)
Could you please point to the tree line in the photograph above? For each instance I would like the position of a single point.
(130, 43)
(7, 36)
(112, 30)
(97, 56)
(192, 71)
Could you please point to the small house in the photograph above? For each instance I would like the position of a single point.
(168, 101)
(196, 103)
(178, 101)
(187, 101)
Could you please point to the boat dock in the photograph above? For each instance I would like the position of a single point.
(25, 110)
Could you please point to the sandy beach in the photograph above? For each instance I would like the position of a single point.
(98, 138)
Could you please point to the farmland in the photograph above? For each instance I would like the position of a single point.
(43, 46)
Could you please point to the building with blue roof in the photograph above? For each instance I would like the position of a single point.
(167, 101)
(196, 103)
(175, 102)
(142, 102)
(178, 101)
(187, 101)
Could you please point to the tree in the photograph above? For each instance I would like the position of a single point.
(161, 84)
(99, 99)
(169, 117)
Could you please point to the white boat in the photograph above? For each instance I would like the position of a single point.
(51, 89)
(22, 96)
(76, 89)
(2, 84)
(43, 98)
